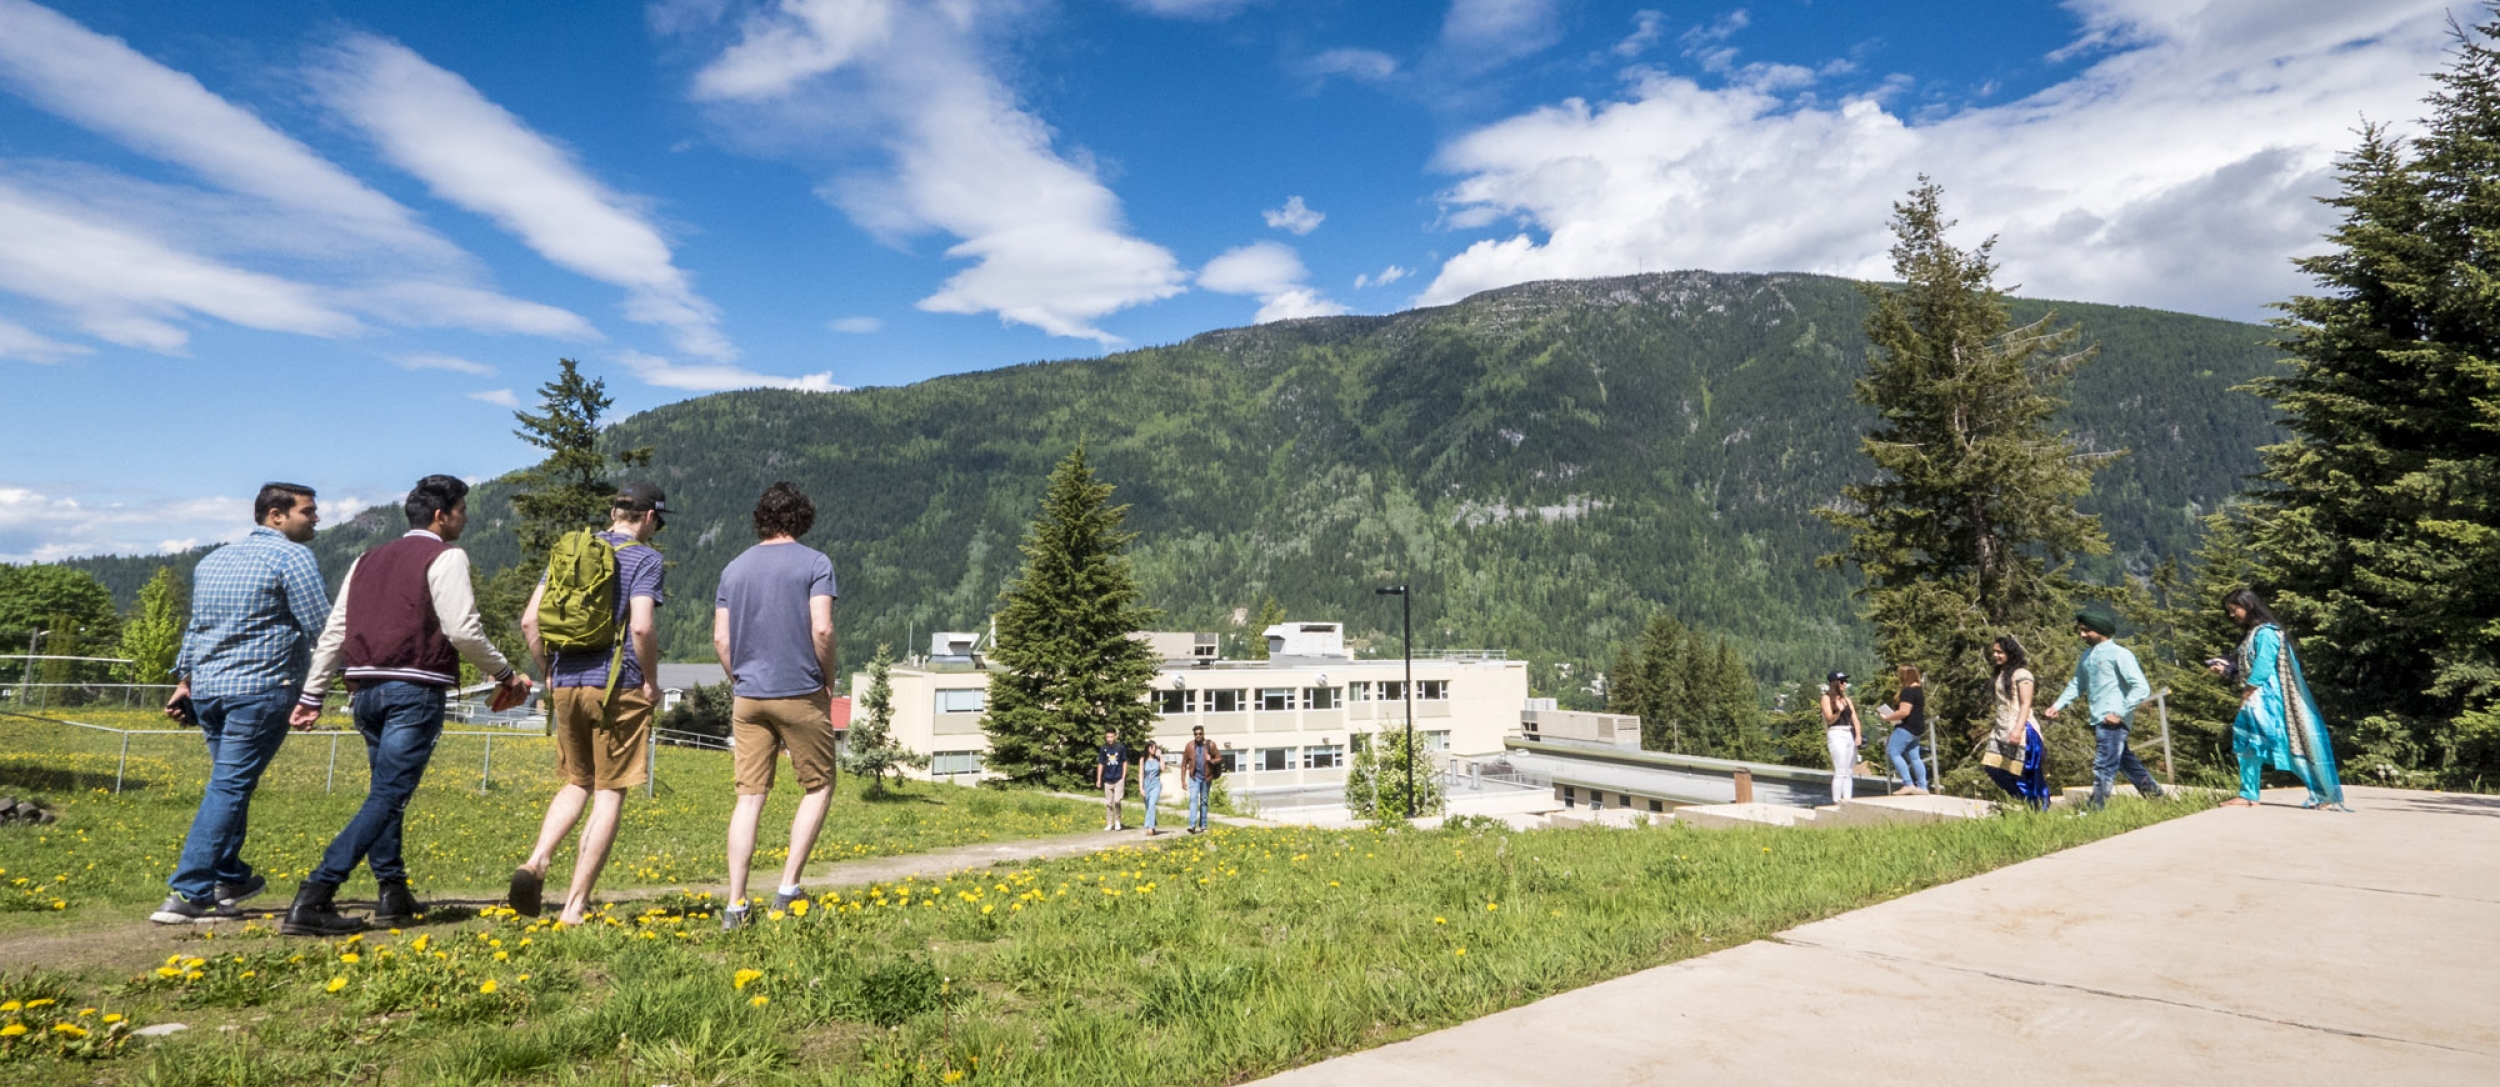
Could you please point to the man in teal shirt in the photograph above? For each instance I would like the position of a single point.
(2108, 675)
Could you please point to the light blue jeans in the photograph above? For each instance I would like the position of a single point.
(1908, 762)
(1197, 803)
(1151, 785)
(243, 734)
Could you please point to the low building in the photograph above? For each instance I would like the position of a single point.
(1587, 773)
(1286, 724)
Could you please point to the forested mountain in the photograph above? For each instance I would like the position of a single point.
(1548, 465)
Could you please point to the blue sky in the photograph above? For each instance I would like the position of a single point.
(333, 243)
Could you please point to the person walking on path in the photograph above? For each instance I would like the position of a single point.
(1150, 782)
(2109, 677)
(772, 627)
(405, 619)
(600, 696)
(256, 606)
(2016, 757)
(1201, 764)
(1111, 776)
(1908, 716)
(2278, 722)
(1841, 735)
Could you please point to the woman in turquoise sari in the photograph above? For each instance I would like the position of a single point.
(2278, 723)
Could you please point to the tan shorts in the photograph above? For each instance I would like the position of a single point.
(597, 750)
(760, 729)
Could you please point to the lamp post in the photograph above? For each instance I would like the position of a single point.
(32, 647)
(1406, 643)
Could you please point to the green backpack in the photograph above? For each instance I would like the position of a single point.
(578, 609)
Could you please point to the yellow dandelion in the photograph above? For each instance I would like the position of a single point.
(488, 986)
(759, 1000)
(12, 1030)
(742, 978)
(351, 958)
(1492, 906)
(335, 985)
(112, 1017)
(1440, 920)
(502, 956)
(71, 1029)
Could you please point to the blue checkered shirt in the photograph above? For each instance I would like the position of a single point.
(257, 605)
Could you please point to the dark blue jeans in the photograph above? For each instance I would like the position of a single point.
(2110, 755)
(243, 734)
(400, 722)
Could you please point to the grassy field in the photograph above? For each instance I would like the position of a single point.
(1195, 961)
(109, 855)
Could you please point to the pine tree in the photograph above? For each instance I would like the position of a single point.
(1066, 669)
(871, 750)
(1270, 614)
(152, 635)
(1967, 529)
(2378, 521)
(569, 490)
(1376, 779)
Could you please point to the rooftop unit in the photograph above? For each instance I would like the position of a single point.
(952, 647)
(1290, 643)
(1182, 646)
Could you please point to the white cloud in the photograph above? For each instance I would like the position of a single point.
(1271, 272)
(1648, 26)
(1047, 240)
(717, 377)
(856, 325)
(36, 526)
(1294, 216)
(19, 342)
(273, 197)
(1191, 9)
(2174, 172)
(128, 288)
(476, 154)
(1478, 34)
(1388, 275)
(1365, 65)
(501, 398)
(453, 363)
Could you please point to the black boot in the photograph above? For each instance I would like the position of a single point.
(395, 907)
(314, 915)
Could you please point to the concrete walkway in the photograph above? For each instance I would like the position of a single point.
(2236, 946)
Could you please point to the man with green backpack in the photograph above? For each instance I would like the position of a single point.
(599, 594)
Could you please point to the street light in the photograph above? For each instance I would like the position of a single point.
(1406, 642)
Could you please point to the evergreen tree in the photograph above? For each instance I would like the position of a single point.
(1066, 668)
(871, 750)
(1966, 531)
(2377, 524)
(567, 491)
(152, 635)
(1692, 692)
(1376, 778)
(1270, 614)
(703, 711)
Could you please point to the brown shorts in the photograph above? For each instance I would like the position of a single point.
(760, 729)
(596, 749)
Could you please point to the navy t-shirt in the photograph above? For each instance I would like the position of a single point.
(1114, 762)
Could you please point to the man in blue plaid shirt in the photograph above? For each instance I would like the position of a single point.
(257, 605)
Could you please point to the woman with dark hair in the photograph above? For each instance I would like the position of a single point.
(1841, 735)
(2015, 755)
(2278, 723)
(1908, 716)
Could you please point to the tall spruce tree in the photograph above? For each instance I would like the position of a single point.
(1966, 531)
(569, 490)
(1066, 668)
(1691, 691)
(2377, 523)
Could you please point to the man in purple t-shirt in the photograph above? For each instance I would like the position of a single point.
(772, 626)
(599, 741)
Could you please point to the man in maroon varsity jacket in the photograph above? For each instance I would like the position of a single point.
(399, 628)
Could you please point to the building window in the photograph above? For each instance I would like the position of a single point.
(1360, 741)
(1323, 757)
(1171, 703)
(1236, 760)
(1275, 758)
(1359, 692)
(1436, 739)
(1276, 698)
(955, 762)
(963, 700)
(1321, 698)
(1225, 701)
(1393, 690)
(1597, 800)
(1657, 806)
(1432, 690)
(1571, 798)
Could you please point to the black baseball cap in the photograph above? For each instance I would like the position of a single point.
(1837, 677)
(641, 495)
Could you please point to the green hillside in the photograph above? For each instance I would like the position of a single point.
(1547, 464)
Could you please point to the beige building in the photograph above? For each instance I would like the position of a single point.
(1287, 723)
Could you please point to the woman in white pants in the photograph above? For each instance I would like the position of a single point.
(1840, 734)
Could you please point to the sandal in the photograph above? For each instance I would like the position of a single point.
(2238, 802)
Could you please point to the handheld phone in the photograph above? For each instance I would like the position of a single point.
(184, 711)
